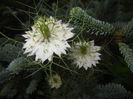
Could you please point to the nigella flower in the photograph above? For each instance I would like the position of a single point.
(47, 37)
(55, 81)
(85, 54)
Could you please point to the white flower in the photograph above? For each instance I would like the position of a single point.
(47, 37)
(85, 54)
(55, 81)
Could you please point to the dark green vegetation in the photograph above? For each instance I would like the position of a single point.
(108, 22)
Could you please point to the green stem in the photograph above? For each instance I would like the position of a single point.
(10, 38)
(65, 68)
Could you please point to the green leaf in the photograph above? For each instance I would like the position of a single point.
(6, 89)
(9, 52)
(5, 75)
(91, 25)
(18, 65)
(128, 54)
(128, 29)
(32, 86)
(112, 91)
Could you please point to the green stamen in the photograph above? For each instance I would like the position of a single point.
(83, 49)
(45, 30)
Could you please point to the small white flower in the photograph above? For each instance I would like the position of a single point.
(55, 81)
(47, 37)
(85, 54)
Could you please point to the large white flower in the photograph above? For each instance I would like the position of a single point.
(85, 54)
(48, 36)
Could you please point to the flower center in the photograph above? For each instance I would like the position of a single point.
(45, 31)
(83, 49)
(55, 80)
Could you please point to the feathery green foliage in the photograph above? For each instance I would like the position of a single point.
(18, 65)
(6, 89)
(128, 54)
(1, 67)
(9, 52)
(32, 87)
(128, 29)
(85, 97)
(93, 26)
(112, 91)
(5, 75)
